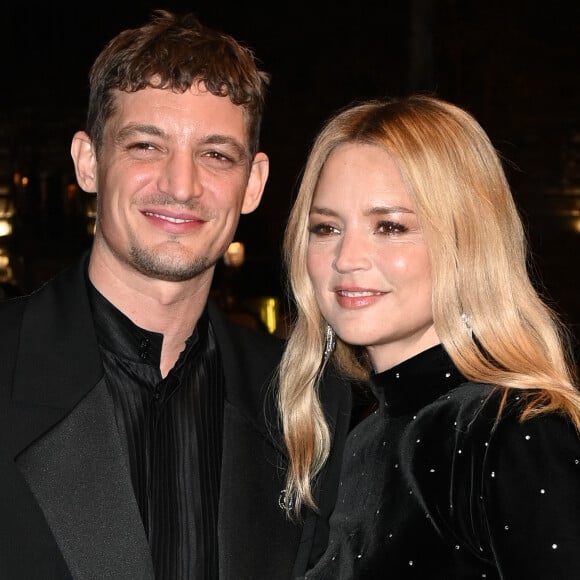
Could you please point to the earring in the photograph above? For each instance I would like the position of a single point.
(285, 502)
(467, 321)
(330, 342)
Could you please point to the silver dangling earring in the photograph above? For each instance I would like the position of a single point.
(285, 502)
(330, 342)
(467, 321)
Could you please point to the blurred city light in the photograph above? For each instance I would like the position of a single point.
(235, 254)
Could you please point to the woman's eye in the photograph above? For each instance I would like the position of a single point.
(390, 228)
(322, 229)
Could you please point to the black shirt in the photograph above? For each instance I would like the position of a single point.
(172, 430)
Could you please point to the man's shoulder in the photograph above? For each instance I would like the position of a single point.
(11, 312)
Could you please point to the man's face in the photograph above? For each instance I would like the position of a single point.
(172, 177)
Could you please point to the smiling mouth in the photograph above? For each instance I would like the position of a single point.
(362, 293)
(173, 220)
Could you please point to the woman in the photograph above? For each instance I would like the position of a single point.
(405, 241)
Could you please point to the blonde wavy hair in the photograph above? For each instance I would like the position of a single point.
(479, 260)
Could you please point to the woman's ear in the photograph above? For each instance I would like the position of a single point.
(83, 155)
(256, 183)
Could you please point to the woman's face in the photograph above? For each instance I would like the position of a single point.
(367, 256)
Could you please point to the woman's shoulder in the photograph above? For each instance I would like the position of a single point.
(488, 478)
(461, 409)
(479, 416)
(467, 438)
(473, 405)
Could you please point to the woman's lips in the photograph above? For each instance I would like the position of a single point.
(357, 298)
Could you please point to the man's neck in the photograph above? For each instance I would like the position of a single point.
(169, 308)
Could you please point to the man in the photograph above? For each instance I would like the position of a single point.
(138, 438)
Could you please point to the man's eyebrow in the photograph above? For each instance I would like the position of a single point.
(218, 139)
(134, 128)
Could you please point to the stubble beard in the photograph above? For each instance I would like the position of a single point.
(160, 266)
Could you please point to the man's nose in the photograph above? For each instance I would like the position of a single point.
(181, 176)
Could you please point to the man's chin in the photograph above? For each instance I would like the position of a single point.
(169, 268)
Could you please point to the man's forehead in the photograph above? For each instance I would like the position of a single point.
(195, 110)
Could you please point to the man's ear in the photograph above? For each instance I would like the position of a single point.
(256, 182)
(83, 154)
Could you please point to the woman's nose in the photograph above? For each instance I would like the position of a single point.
(353, 253)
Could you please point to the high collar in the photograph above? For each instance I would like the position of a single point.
(117, 333)
(417, 381)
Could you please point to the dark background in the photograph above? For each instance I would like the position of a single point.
(513, 64)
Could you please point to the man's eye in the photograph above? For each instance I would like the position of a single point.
(141, 146)
(389, 227)
(218, 156)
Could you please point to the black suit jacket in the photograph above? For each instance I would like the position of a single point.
(67, 508)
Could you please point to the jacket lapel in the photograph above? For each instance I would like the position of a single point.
(80, 478)
(61, 428)
(57, 361)
(252, 463)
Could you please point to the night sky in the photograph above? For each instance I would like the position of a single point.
(511, 62)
